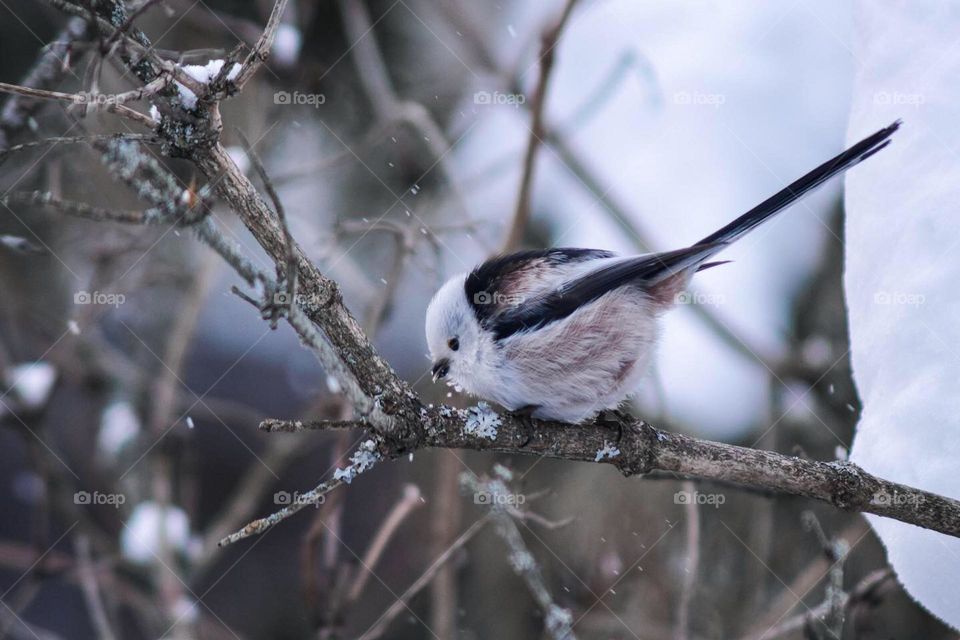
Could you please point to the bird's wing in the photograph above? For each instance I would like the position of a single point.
(562, 300)
(499, 285)
(538, 293)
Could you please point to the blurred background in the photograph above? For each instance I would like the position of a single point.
(395, 132)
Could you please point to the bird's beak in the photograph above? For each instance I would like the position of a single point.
(440, 369)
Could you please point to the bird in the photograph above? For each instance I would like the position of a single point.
(563, 334)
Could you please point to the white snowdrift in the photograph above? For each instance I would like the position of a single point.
(903, 277)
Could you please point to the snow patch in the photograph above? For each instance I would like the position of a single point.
(286, 46)
(203, 73)
(119, 426)
(900, 279)
(32, 383)
(140, 540)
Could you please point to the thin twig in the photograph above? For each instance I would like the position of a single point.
(410, 501)
(557, 620)
(53, 64)
(73, 208)
(261, 50)
(293, 426)
(548, 44)
(865, 590)
(134, 43)
(111, 103)
(379, 627)
(289, 271)
(362, 460)
(128, 23)
(689, 582)
(91, 588)
(89, 138)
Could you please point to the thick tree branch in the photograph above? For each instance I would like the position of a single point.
(644, 448)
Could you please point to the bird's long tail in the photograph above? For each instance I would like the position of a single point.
(799, 188)
(663, 274)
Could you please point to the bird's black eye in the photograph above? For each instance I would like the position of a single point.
(453, 343)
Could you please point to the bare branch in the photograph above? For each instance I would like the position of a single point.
(136, 43)
(548, 44)
(52, 65)
(410, 501)
(110, 103)
(91, 588)
(865, 590)
(644, 448)
(557, 620)
(57, 140)
(689, 581)
(291, 426)
(378, 628)
(261, 50)
(78, 209)
(289, 272)
(362, 460)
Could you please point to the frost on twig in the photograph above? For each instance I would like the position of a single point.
(362, 460)
(607, 451)
(482, 422)
(153, 183)
(557, 620)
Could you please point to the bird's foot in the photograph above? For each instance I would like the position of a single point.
(524, 416)
(615, 418)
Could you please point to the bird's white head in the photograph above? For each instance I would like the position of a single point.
(453, 331)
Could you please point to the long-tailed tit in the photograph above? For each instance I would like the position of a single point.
(566, 333)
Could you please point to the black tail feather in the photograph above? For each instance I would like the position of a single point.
(710, 265)
(796, 190)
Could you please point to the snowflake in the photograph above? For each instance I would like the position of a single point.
(482, 421)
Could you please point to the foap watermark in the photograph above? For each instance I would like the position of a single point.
(697, 497)
(499, 98)
(499, 499)
(691, 297)
(286, 498)
(899, 98)
(899, 298)
(885, 498)
(699, 99)
(307, 300)
(97, 498)
(297, 98)
(495, 297)
(100, 100)
(99, 298)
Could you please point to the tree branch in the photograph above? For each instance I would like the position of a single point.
(644, 448)
(538, 131)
